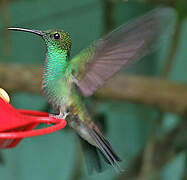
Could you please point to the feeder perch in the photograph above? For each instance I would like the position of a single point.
(16, 124)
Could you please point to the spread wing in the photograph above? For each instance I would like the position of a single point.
(94, 65)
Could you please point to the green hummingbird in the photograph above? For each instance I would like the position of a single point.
(66, 81)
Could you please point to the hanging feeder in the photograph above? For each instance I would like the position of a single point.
(16, 124)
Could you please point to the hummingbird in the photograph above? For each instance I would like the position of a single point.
(67, 80)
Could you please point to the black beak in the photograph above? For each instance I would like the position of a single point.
(40, 33)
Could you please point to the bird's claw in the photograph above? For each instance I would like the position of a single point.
(60, 116)
(64, 115)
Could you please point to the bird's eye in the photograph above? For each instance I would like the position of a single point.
(56, 36)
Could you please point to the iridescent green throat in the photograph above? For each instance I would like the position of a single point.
(56, 64)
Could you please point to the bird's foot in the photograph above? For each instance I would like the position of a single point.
(60, 116)
(64, 115)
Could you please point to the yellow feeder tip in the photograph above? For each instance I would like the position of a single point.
(4, 95)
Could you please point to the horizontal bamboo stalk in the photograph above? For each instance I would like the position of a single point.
(168, 96)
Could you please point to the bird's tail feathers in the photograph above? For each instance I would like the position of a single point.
(105, 147)
(91, 133)
(92, 158)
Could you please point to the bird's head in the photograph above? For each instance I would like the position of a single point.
(57, 39)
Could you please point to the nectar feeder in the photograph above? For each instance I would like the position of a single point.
(16, 124)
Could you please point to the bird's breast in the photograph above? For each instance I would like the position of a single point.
(57, 92)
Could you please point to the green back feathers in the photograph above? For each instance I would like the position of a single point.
(122, 47)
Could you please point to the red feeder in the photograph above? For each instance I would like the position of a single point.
(17, 124)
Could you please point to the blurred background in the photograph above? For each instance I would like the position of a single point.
(145, 119)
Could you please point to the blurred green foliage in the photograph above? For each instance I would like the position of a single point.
(181, 8)
(129, 127)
